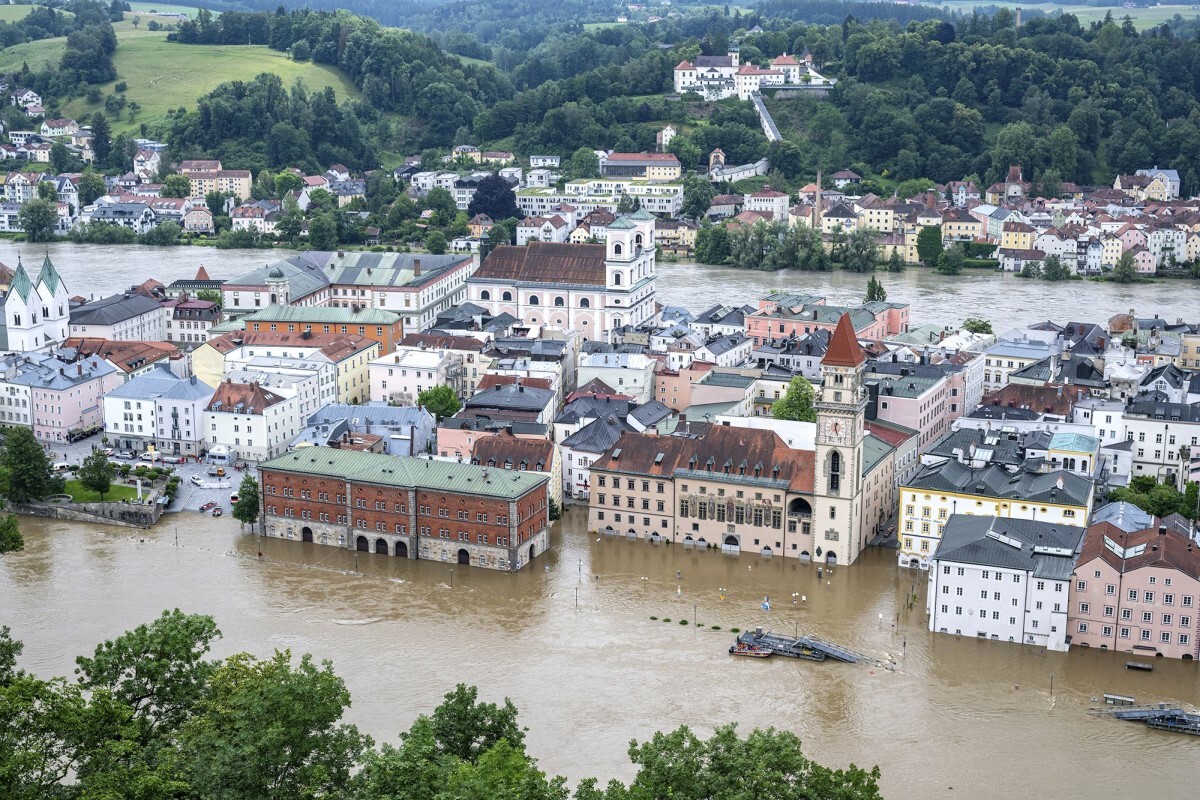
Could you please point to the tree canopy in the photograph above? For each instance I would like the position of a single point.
(797, 403)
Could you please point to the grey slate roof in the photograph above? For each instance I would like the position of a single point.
(512, 397)
(1123, 515)
(996, 481)
(161, 382)
(651, 413)
(111, 310)
(1047, 550)
(990, 446)
(375, 413)
(593, 407)
(597, 436)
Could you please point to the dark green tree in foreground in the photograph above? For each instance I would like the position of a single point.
(441, 401)
(38, 218)
(96, 473)
(151, 716)
(25, 466)
(245, 510)
(797, 403)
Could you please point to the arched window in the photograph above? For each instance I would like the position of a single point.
(558, 301)
(585, 303)
(835, 472)
(638, 240)
(616, 279)
(507, 296)
(533, 299)
(616, 248)
(485, 295)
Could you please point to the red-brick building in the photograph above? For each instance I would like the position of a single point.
(407, 507)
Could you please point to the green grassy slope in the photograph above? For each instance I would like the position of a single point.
(162, 75)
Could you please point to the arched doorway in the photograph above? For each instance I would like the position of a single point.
(831, 557)
(381, 547)
(731, 541)
(464, 557)
(768, 552)
(401, 550)
(532, 550)
(800, 506)
(306, 534)
(362, 545)
(915, 563)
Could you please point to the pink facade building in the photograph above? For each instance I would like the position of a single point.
(785, 315)
(66, 398)
(1137, 592)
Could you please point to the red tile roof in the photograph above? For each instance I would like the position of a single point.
(844, 349)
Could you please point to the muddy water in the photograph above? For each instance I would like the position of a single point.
(975, 716)
(1002, 298)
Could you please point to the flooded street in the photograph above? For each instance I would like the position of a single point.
(974, 715)
(1007, 300)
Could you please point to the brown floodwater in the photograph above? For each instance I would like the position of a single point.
(955, 718)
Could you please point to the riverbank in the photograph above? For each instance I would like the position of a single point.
(1007, 301)
(589, 679)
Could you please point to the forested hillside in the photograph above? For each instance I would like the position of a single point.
(917, 97)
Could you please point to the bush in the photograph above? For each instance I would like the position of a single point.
(716, 627)
(981, 263)
(683, 622)
(654, 618)
(735, 630)
(666, 619)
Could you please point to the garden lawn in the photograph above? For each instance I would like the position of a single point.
(116, 493)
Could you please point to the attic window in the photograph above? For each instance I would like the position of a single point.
(658, 458)
(616, 454)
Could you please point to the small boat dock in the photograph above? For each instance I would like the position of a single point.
(1160, 716)
(809, 648)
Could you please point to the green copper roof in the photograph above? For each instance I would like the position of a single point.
(49, 275)
(643, 215)
(21, 286)
(328, 315)
(408, 471)
(621, 224)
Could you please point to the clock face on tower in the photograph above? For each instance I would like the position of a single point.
(835, 431)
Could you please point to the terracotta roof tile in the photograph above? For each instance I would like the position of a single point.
(844, 349)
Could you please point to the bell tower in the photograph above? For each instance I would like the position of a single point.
(838, 485)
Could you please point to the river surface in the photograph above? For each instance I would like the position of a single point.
(945, 300)
(957, 717)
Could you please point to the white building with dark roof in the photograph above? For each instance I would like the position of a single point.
(590, 288)
(122, 318)
(1004, 579)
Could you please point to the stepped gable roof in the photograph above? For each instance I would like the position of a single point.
(844, 349)
(544, 262)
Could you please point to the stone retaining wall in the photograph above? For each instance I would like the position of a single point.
(130, 515)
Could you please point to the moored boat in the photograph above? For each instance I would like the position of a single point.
(750, 650)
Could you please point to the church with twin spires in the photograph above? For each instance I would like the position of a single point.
(36, 311)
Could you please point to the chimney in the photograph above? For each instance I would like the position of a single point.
(416, 267)
(1162, 529)
(79, 370)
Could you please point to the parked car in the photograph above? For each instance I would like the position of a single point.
(197, 480)
(233, 498)
(108, 451)
(63, 466)
(125, 454)
(173, 459)
(148, 456)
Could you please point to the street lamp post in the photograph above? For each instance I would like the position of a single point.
(1052, 684)
(452, 577)
(580, 570)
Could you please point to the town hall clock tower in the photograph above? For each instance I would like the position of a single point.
(837, 488)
